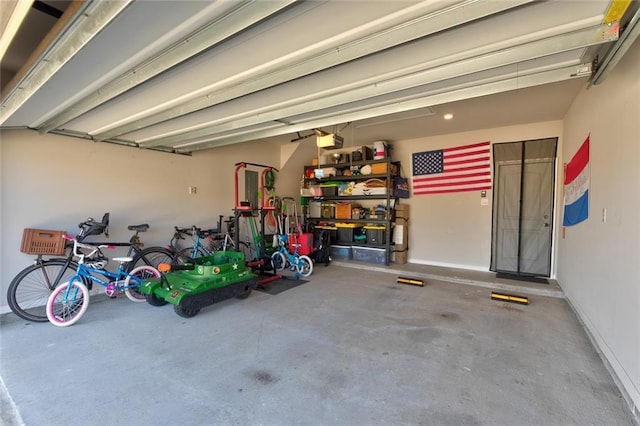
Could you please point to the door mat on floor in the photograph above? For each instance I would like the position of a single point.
(280, 285)
(525, 278)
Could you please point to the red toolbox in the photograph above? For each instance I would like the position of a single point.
(305, 240)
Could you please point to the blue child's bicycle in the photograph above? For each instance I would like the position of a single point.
(301, 264)
(70, 300)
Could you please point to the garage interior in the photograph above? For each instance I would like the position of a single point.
(125, 106)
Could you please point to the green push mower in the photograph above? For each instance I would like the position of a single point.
(208, 280)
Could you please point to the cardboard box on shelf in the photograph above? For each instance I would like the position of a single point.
(344, 210)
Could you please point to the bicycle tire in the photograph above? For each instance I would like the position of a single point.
(185, 255)
(29, 291)
(304, 266)
(279, 261)
(132, 289)
(65, 313)
(151, 256)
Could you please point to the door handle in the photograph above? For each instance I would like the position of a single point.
(546, 224)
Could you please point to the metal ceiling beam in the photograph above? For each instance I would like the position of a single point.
(11, 22)
(611, 58)
(89, 20)
(356, 43)
(244, 15)
(452, 94)
(497, 55)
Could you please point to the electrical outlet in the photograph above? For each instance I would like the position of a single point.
(193, 190)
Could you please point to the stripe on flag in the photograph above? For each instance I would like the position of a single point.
(457, 169)
(576, 187)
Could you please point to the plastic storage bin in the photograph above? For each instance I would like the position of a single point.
(315, 209)
(328, 210)
(369, 254)
(42, 241)
(375, 234)
(348, 231)
(329, 191)
(341, 252)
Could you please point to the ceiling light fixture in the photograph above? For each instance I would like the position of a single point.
(448, 116)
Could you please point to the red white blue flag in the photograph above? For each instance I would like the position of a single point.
(576, 187)
(456, 169)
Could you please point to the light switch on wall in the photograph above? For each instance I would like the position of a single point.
(193, 190)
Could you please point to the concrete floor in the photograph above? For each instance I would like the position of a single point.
(350, 347)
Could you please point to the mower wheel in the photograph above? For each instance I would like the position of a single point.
(154, 300)
(186, 312)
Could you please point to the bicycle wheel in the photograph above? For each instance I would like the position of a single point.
(186, 255)
(151, 256)
(66, 308)
(304, 266)
(28, 292)
(279, 261)
(135, 278)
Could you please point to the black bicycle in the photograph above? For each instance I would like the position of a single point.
(29, 291)
(205, 242)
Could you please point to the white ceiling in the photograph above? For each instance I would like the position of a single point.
(182, 76)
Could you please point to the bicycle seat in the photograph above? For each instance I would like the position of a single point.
(91, 227)
(139, 228)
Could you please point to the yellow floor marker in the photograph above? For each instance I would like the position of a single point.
(510, 298)
(413, 281)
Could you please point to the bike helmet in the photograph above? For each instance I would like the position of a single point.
(97, 263)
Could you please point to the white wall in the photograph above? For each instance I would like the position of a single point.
(454, 230)
(598, 261)
(55, 182)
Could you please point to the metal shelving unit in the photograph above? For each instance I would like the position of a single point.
(392, 170)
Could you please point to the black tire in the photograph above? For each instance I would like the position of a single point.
(278, 261)
(184, 255)
(151, 256)
(29, 291)
(245, 294)
(186, 312)
(154, 300)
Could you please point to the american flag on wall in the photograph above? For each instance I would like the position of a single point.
(457, 169)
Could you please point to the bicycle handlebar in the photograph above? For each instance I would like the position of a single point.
(94, 249)
(194, 230)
